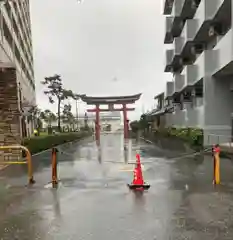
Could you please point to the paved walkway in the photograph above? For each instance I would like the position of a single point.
(93, 202)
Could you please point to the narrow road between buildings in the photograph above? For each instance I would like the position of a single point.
(93, 202)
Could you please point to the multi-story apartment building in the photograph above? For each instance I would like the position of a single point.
(157, 117)
(17, 86)
(201, 62)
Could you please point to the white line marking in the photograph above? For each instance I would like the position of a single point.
(146, 140)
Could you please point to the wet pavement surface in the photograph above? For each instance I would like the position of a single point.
(93, 202)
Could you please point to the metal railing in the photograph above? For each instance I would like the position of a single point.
(226, 140)
(27, 160)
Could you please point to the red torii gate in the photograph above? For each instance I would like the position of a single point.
(111, 101)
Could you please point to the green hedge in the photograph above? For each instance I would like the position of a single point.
(41, 143)
(192, 135)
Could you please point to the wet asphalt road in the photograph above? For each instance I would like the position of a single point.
(92, 201)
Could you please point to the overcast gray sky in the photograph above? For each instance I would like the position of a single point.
(94, 42)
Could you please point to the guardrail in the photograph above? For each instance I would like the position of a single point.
(28, 160)
(219, 139)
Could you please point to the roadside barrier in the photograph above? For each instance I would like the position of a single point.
(54, 167)
(216, 163)
(28, 160)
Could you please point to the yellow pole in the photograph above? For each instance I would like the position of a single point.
(54, 167)
(216, 152)
(217, 168)
(30, 172)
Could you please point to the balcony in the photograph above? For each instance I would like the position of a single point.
(168, 59)
(179, 82)
(167, 6)
(190, 75)
(170, 89)
(172, 61)
(168, 30)
(182, 10)
(177, 44)
(203, 66)
(209, 15)
(179, 118)
(188, 35)
(185, 9)
(195, 117)
(224, 56)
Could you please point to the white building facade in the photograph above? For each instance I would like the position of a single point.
(201, 61)
(16, 55)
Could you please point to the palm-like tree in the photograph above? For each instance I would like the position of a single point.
(48, 116)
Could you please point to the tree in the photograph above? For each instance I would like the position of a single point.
(134, 125)
(35, 116)
(143, 122)
(55, 90)
(67, 115)
(48, 117)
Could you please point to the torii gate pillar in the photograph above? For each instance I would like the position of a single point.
(125, 120)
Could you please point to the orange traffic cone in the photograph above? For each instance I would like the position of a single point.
(138, 181)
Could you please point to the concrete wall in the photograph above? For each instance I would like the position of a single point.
(28, 93)
(159, 122)
(218, 109)
(10, 125)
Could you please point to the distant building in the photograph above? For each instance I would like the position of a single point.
(112, 118)
(106, 118)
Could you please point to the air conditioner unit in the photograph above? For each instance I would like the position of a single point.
(181, 97)
(220, 29)
(193, 93)
(181, 24)
(194, 4)
(170, 3)
(193, 50)
(231, 86)
(199, 48)
(211, 32)
(180, 61)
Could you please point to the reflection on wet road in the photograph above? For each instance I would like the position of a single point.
(93, 202)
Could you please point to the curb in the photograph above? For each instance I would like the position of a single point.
(146, 140)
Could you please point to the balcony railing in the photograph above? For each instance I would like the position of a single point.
(170, 89)
(168, 30)
(167, 6)
(179, 82)
(178, 43)
(188, 35)
(223, 53)
(195, 117)
(168, 59)
(190, 75)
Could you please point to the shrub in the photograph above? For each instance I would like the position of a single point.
(192, 135)
(41, 143)
(196, 135)
(134, 126)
